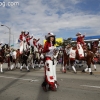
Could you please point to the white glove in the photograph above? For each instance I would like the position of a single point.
(52, 47)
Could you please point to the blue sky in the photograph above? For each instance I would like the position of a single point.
(62, 17)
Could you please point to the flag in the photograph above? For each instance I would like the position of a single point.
(19, 41)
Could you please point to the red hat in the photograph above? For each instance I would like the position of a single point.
(49, 35)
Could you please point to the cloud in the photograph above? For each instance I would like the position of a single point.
(43, 16)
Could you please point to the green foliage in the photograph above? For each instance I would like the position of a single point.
(59, 43)
(65, 42)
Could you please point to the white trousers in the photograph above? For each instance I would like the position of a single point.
(50, 71)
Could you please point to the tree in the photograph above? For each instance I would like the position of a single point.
(59, 43)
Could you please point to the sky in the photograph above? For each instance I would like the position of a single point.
(64, 18)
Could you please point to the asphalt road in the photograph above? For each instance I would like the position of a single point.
(16, 85)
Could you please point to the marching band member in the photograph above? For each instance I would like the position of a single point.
(49, 70)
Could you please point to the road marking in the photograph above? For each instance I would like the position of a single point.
(90, 86)
(32, 80)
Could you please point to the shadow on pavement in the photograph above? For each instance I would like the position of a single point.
(11, 83)
(42, 95)
(17, 98)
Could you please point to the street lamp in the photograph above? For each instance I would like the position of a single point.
(10, 39)
(9, 32)
(9, 42)
(13, 40)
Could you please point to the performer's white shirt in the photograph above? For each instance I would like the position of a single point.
(51, 52)
(24, 39)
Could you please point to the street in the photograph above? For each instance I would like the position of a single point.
(17, 85)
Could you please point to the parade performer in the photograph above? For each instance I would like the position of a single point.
(36, 50)
(22, 41)
(50, 73)
(68, 47)
(80, 44)
(80, 39)
(26, 34)
(28, 40)
(35, 41)
(40, 47)
(35, 44)
(22, 36)
(41, 55)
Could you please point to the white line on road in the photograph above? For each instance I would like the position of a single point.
(90, 86)
(19, 78)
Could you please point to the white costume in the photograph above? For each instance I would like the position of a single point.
(50, 68)
(80, 50)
